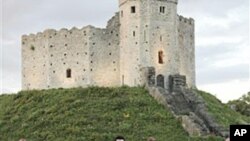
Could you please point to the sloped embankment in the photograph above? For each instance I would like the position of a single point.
(91, 114)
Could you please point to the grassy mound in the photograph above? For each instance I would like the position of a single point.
(222, 112)
(91, 114)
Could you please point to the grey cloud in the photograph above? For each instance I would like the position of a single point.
(207, 55)
(234, 36)
(214, 8)
(223, 74)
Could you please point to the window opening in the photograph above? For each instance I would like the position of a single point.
(160, 57)
(68, 73)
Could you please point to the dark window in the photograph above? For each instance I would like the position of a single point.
(133, 10)
(160, 81)
(162, 9)
(160, 57)
(68, 73)
(134, 33)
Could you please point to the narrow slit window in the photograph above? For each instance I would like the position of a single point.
(134, 33)
(68, 73)
(133, 9)
(160, 57)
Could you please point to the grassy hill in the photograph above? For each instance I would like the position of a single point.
(96, 114)
(222, 112)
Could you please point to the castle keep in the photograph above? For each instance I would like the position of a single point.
(143, 34)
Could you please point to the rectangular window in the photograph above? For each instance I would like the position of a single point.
(162, 9)
(133, 10)
(68, 73)
(160, 57)
(134, 33)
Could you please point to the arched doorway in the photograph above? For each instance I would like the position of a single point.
(160, 80)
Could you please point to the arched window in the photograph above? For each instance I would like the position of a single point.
(160, 80)
(68, 73)
(160, 57)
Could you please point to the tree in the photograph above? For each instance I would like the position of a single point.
(241, 105)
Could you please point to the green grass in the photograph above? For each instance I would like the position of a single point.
(222, 112)
(91, 114)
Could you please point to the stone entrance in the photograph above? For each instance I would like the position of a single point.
(160, 80)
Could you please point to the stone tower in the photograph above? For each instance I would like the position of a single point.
(149, 38)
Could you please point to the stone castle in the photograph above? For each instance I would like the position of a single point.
(145, 36)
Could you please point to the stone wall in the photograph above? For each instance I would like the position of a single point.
(186, 35)
(163, 38)
(68, 49)
(105, 54)
(130, 43)
(91, 54)
(34, 61)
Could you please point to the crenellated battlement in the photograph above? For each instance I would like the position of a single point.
(47, 33)
(185, 20)
(122, 2)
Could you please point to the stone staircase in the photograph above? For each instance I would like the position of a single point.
(188, 107)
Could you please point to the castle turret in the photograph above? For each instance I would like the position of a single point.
(148, 39)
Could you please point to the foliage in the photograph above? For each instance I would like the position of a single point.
(222, 113)
(241, 105)
(90, 114)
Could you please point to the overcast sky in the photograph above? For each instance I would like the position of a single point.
(222, 37)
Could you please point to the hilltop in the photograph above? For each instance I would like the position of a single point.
(98, 114)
